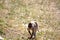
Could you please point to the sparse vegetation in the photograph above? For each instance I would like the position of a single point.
(14, 14)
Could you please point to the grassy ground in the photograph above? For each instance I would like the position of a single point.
(15, 14)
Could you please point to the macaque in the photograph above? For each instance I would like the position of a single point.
(32, 29)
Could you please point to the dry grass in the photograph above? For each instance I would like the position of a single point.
(15, 14)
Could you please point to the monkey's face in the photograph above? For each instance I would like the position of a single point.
(29, 25)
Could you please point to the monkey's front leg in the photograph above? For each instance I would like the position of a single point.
(29, 33)
(33, 34)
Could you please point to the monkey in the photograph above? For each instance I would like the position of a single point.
(33, 27)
